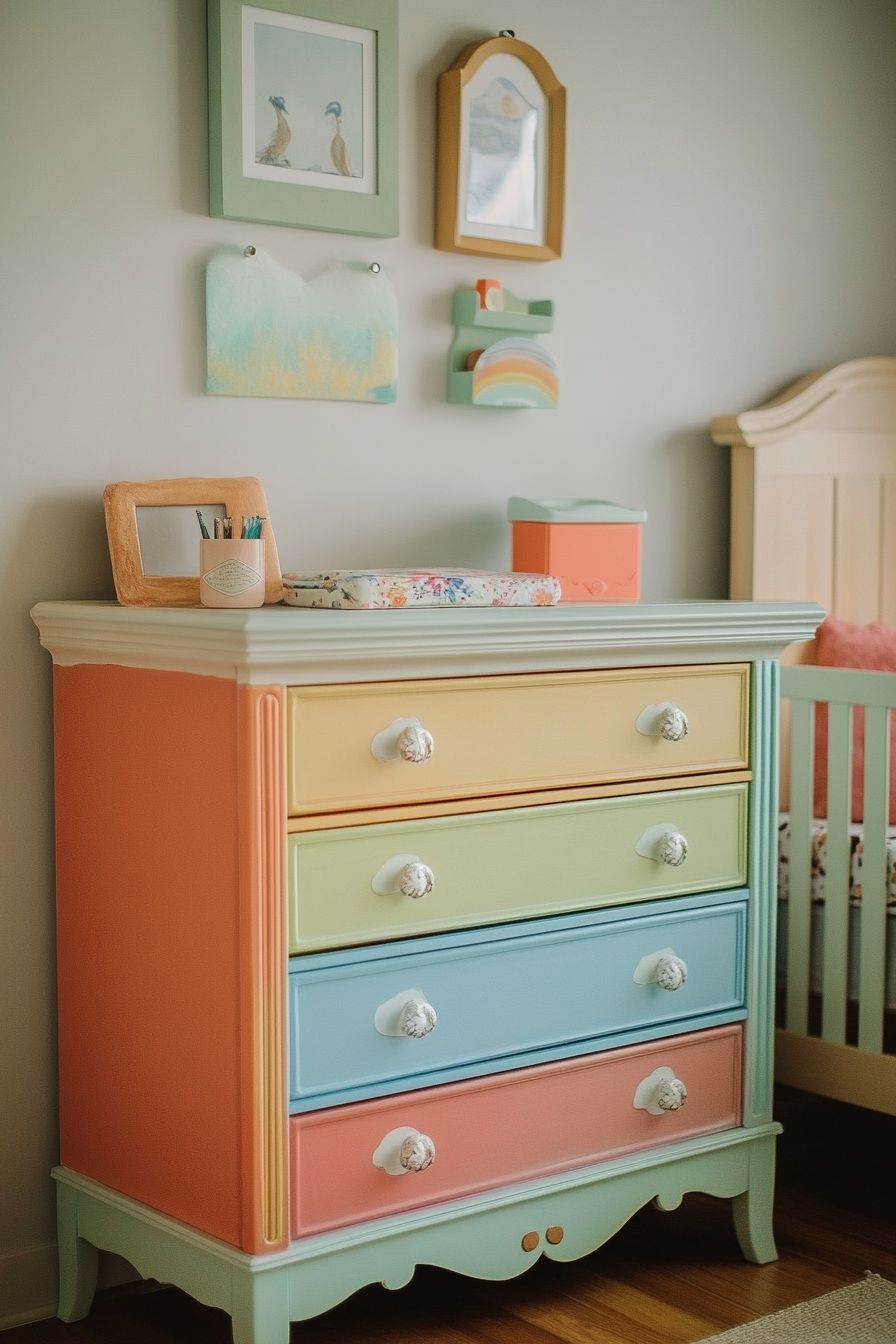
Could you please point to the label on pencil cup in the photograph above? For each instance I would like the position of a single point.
(232, 578)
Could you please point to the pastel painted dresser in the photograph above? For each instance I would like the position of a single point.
(401, 937)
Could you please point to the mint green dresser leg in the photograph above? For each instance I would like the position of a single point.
(261, 1309)
(78, 1260)
(753, 1209)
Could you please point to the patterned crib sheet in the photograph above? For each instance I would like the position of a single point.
(819, 862)
(352, 588)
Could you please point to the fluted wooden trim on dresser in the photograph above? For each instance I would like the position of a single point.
(262, 882)
(759, 1031)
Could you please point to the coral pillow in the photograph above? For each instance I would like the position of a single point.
(872, 648)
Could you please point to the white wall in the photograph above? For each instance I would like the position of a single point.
(731, 200)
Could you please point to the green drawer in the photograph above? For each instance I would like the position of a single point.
(486, 867)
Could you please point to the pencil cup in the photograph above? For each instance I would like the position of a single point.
(231, 573)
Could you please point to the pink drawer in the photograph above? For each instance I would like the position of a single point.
(514, 1127)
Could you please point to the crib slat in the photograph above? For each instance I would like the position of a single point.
(799, 904)
(836, 886)
(872, 948)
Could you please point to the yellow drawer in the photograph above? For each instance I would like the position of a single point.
(346, 885)
(498, 735)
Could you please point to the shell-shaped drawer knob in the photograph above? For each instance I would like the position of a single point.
(417, 1019)
(407, 1013)
(671, 973)
(417, 1152)
(416, 880)
(672, 723)
(671, 1094)
(415, 743)
(664, 843)
(404, 1149)
(664, 968)
(672, 849)
(403, 740)
(404, 875)
(665, 720)
(660, 1093)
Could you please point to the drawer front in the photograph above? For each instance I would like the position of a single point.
(345, 885)
(515, 1127)
(496, 735)
(510, 996)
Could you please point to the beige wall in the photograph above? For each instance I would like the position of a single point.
(731, 205)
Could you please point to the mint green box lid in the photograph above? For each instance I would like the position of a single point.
(520, 510)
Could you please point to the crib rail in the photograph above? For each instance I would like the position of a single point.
(844, 691)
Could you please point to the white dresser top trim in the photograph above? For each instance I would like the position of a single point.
(294, 646)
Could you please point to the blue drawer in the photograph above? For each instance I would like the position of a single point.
(509, 996)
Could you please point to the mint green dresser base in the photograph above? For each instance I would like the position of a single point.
(480, 1237)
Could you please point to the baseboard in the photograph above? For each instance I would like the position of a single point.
(29, 1283)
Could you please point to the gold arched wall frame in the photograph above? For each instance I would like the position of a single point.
(542, 163)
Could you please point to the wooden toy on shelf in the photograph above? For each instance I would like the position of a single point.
(512, 369)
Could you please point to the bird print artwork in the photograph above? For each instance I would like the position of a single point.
(338, 151)
(275, 150)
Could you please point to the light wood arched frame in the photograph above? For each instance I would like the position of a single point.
(237, 497)
(455, 232)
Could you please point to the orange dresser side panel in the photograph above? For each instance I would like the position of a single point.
(149, 938)
(262, 863)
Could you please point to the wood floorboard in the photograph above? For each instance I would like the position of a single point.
(665, 1278)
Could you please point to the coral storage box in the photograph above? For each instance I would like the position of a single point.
(591, 545)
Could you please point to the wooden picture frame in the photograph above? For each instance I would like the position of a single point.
(503, 94)
(237, 497)
(331, 65)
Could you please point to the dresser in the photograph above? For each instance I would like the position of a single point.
(400, 937)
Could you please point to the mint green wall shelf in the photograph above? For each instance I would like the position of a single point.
(514, 370)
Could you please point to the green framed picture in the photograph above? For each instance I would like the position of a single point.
(303, 113)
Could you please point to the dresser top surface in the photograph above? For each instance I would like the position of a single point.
(292, 645)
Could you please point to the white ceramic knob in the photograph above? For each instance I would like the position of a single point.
(672, 849)
(417, 1018)
(672, 723)
(671, 1094)
(660, 1092)
(417, 1152)
(415, 743)
(664, 720)
(408, 1013)
(416, 880)
(402, 740)
(671, 973)
(404, 1149)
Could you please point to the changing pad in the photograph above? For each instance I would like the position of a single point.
(352, 588)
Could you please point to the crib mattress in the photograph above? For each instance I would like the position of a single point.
(819, 893)
(819, 862)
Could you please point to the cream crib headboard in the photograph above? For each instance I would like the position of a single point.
(813, 494)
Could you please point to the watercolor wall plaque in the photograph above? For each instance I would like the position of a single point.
(270, 333)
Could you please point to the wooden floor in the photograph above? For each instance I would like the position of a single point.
(666, 1278)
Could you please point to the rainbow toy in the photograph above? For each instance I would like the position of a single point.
(495, 358)
(516, 372)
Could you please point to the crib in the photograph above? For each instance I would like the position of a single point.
(813, 517)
